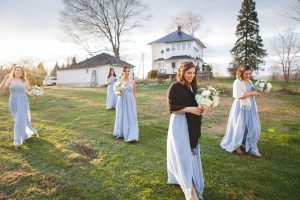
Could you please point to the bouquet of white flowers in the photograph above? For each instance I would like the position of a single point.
(36, 91)
(262, 86)
(207, 97)
(119, 87)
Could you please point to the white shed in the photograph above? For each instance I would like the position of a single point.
(91, 72)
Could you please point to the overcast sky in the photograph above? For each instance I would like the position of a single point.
(31, 29)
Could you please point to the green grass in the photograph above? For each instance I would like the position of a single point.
(76, 156)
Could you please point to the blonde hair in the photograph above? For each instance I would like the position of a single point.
(23, 76)
(241, 70)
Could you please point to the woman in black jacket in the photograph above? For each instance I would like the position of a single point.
(183, 149)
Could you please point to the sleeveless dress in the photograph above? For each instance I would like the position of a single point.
(111, 98)
(126, 122)
(184, 166)
(243, 127)
(19, 107)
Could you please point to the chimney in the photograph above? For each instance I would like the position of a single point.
(179, 29)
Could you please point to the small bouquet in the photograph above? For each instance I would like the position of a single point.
(119, 87)
(207, 97)
(36, 91)
(262, 86)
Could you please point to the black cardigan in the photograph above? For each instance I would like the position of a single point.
(179, 97)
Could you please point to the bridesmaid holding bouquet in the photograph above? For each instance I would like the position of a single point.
(243, 127)
(18, 104)
(126, 123)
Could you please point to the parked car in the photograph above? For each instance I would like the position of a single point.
(50, 81)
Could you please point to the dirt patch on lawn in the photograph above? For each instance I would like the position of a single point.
(87, 151)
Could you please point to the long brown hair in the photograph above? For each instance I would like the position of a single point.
(241, 70)
(108, 75)
(23, 76)
(182, 70)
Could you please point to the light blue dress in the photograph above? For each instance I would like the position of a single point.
(19, 107)
(111, 98)
(243, 127)
(126, 122)
(183, 165)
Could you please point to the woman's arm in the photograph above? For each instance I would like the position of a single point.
(249, 94)
(27, 86)
(107, 81)
(193, 110)
(134, 88)
(239, 92)
(5, 82)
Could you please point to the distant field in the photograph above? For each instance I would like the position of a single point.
(76, 156)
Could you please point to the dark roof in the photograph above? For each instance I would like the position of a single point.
(99, 60)
(177, 36)
(159, 59)
(180, 57)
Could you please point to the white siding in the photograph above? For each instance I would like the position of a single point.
(189, 48)
(83, 77)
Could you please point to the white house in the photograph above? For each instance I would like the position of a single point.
(175, 48)
(91, 72)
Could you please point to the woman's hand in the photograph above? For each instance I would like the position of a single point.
(202, 109)
(7, 76)
(256, 94)
(195, 110)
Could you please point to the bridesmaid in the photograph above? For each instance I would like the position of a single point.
(126, 123)
(111, 98)
(183, 149)
(243, 127)
(18, 104)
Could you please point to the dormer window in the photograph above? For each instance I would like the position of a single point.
(167, 49)
(162, 51)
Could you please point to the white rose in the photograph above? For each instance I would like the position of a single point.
(206, 102)
(198, 98)
(205, 93)
(261, 85)
(215, 101)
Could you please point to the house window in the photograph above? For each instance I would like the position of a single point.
(178, 47)
(167, 49)
(162, 51)
(183, 46)
(173, 47)
(158, 65)
(196, 49)
(87, 70)
(189, 46)
(173, 64)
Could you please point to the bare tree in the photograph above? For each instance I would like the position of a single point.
(287, 50)
(189, 22)
(275, 70)
(294, 11)
(108, 19)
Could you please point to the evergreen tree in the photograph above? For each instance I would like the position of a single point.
(248, 49)
(54, 70)
(73, 61)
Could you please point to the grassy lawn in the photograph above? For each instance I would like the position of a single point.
(76, 156)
